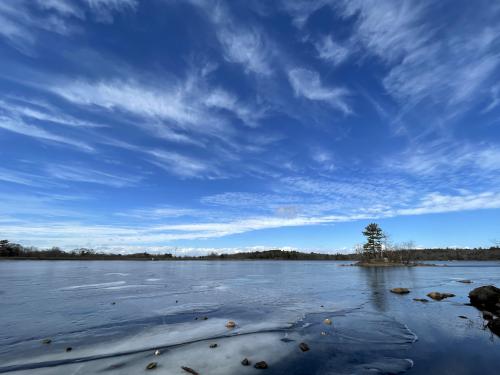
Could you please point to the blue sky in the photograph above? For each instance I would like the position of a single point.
(198, 125)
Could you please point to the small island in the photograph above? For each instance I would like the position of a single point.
(377, 251)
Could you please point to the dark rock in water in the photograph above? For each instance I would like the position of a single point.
(213, 346)
(46, 341)
(190, 370)
(488, 315)
(304, 347)
(440, 296)
(151, 366)
(176, 301)
(421, 299)
(286, 339)
(400, 290)
(494, 326)
(261, 365)
(485, 297)
(113, 303)
(69, 348)
(465, 281)
(462, 317)
(205, 317)
(245, 362)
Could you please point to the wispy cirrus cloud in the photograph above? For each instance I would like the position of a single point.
(79, 173)
(307, 83)
(446, 65)
(23, 21)
(241, 43)
(63, 7)
(43, 112)
(301, 10)
(438, 203)
(103, 9)
(441, 157)
(245, 47)
(185, 104)
(20, 178)
(184, 166)
(332, 51)
(18, 126)
(428, 61)
(159, 213)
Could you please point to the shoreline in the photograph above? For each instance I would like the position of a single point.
(355, 262)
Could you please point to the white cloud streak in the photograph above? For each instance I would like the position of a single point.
(307, 83)
(80, 173)
(332, 51)
(102, 237)
(20, 127)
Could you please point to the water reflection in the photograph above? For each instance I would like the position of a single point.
(380, 280)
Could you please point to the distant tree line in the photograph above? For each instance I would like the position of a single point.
(404, 253)
(14, 250)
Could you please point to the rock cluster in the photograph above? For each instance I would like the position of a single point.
(487, 299)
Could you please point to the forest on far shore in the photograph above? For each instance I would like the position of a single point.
(10, 250)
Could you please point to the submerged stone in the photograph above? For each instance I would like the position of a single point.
(400, 290)
(440, 296)
(46, 341)
(465, 281)
(261, 365)
(189, 369)
(69, 348)
(230, 324)
(304, 347)
(213, 346)
(151, 365)
(245, 362)
(327, 321)
(421, 299)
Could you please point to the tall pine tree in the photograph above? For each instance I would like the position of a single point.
(374, 236)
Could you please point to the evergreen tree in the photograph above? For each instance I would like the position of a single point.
(374, 236)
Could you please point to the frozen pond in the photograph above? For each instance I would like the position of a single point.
(115, 314)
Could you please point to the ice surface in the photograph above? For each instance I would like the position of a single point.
(114, 315)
